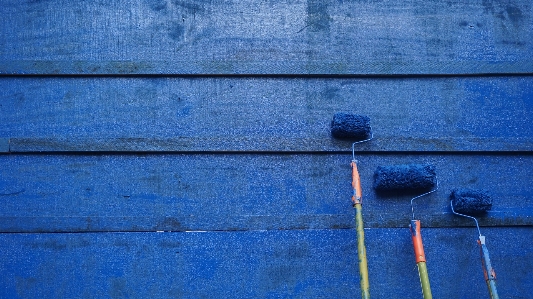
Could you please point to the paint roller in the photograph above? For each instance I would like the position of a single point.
(476, 202)
(355, 128)
(410, 178)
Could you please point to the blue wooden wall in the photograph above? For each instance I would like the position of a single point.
(181, 149)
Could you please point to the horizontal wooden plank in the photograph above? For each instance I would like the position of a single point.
(275, 37)
(264, 114)
(258, 264)
(180, 223)
(213, 192)
(238, 67)
(258, 144)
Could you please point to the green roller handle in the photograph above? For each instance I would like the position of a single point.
(490, 274)
(361, 251)
(424, 280)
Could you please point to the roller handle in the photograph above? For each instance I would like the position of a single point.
(361, 252)
(357, 197)
(420, 258)
(488, 271)
(361, 249)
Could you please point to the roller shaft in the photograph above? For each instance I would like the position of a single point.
(420, 258)
(490, 274)
(424, 280)
(357, 200)
(361, 251)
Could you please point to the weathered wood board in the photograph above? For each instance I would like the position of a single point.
(264, 114)
(162, 192)
(181, 149)
(266, 37)
(258, 264)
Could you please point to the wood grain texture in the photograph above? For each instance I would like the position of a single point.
(181, 149)
(258, 264)
(266, 37)
(177, 192)
(264, 114)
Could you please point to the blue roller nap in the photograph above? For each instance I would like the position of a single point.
(471, 201)
(350, 126)
(408, 177)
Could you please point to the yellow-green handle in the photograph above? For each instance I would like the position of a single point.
(424, 280)
(361, 251)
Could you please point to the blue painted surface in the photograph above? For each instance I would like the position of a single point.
(258, 264)
(4, 145)
(94, 166)
(176, 192)
(266, 37)
(277, 114)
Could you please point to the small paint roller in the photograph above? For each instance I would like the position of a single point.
(411, 178)
(476, 202)
(356, 128)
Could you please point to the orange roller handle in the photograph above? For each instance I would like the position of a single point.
(357, 198)
(420, 256)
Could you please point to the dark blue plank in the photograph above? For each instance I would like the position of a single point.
(263, 144)
(258, 264)
(264, 114)
(275, 37)
(49, 193)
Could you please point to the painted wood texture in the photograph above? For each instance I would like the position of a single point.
(258, 264)
(266, 37)
(181, 149)
(65, 193)
(264, 114)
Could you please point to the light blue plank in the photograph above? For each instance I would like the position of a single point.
(275, 37)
